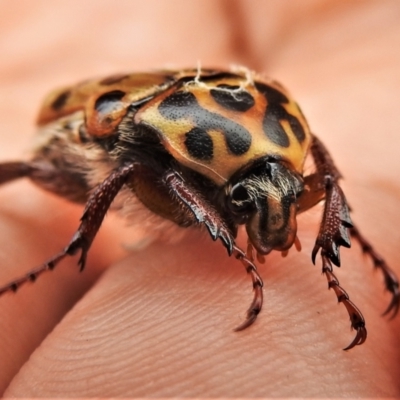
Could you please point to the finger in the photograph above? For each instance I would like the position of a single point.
(160, 323)
(29, 237)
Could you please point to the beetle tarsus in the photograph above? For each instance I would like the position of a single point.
(251, 316)
(31, 276)
(359, 339)
(356, 317)
(257, 303)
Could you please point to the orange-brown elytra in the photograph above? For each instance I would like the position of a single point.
(205, 148)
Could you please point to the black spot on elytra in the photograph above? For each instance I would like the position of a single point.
(61, 100)
(183, 105)
(273, 128)
(272, 95)
(109, 101)
(238, 100)
(238, 139)
(111, 80)
(178, 105)
(275, 112)
(297, 127)
(199, 144)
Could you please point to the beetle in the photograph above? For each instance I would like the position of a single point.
(199, 147)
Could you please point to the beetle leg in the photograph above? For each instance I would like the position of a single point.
(256, 304)
(96, 207)
(202, 210)
(336, 220)
(14, 170)
(315, 192)
(356, 318)
(333, 232)
(61, 180)
(206, 214)
(391, 280)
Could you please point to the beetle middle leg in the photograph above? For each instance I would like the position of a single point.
(96, 207)
(205, 214)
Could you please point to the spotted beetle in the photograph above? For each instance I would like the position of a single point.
(204, 147)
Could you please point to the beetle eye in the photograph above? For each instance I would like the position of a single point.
(239, 193)
(239, 200)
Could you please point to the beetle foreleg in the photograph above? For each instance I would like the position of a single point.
(93, 215)
(336, 220)
(202, 210)
(206, 214)
(333, 232)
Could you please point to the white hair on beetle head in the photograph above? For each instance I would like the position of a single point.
(262, 186)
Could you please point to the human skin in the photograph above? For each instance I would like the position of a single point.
(159, 321)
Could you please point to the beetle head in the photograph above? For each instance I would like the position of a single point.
(264, 199)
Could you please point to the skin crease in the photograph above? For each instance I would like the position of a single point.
(159, 321)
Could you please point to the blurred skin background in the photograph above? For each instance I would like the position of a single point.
(158, 321)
